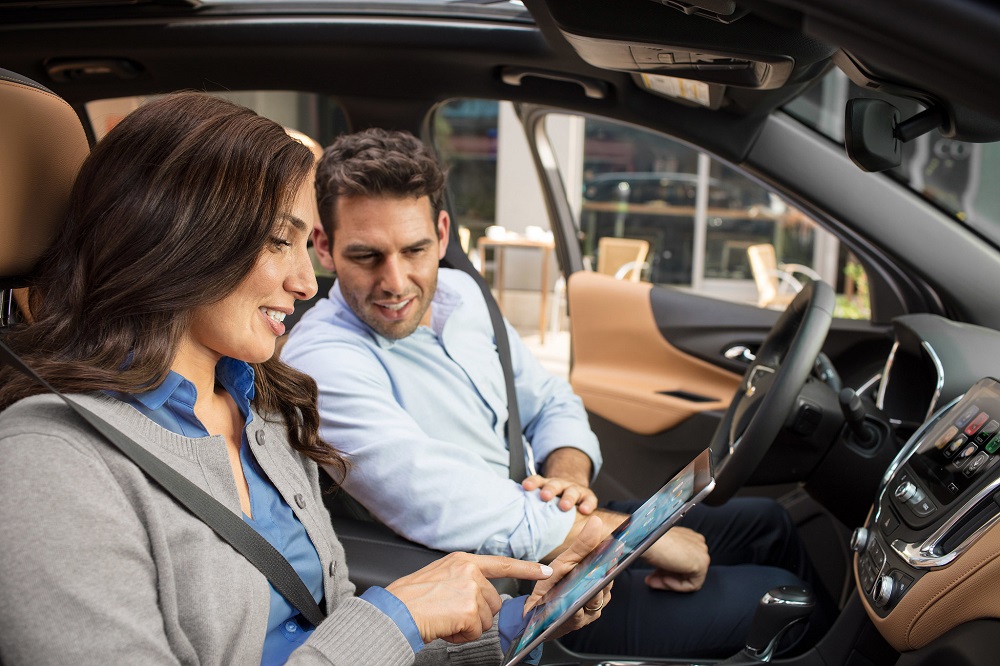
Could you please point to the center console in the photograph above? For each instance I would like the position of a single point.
(932, 539)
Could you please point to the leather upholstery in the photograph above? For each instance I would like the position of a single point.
(41, 149)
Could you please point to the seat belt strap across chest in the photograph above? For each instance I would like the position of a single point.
(216, 515)
(515, 440)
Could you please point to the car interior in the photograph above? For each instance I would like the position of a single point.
(877, 427)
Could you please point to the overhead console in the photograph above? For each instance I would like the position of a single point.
(929, 556)
(690, 40)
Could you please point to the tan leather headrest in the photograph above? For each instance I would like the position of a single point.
(42, 145)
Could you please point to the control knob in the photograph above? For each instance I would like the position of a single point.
(884, 588)
(905, 491)
(859, 539)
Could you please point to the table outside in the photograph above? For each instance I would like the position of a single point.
(499, 246)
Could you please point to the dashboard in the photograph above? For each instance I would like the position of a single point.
(933, 361)
(928, 556)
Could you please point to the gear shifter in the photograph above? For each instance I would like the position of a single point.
(854, 415)
(778, 610)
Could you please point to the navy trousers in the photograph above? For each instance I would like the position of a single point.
(754, 547)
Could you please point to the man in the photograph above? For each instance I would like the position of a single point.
(412, 390)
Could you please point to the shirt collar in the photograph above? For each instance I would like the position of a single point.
(446, 300)
(236, 376)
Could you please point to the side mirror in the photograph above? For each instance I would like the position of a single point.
(874, 134)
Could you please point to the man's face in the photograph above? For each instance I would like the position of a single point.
(385, 252)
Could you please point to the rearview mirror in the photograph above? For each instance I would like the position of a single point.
(874, 134)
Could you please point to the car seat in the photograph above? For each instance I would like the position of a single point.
(42, 145)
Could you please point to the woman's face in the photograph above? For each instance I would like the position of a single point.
(246, 324)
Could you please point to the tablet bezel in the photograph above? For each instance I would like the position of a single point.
(703, 482)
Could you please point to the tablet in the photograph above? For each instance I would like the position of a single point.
(617, 551)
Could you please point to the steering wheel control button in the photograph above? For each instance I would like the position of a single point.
(859, 539)
(882, 593)
(905, 491)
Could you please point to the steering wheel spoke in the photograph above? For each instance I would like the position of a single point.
(770, 387)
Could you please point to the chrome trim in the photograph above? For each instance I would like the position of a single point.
(751, 387)
(940, 376)
(925, 556)
(880, 400)
(868, 384)
(911, 445)
(767, 599)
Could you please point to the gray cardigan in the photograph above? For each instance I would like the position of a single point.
(99, 565)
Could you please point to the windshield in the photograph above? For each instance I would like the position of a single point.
(953, 175)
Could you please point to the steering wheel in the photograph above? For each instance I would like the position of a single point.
(769, 388)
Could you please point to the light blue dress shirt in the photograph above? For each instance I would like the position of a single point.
(422, 422)
(171, 405)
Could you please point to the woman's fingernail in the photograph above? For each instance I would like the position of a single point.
(547, 570)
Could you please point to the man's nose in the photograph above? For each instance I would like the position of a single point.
(393, 277)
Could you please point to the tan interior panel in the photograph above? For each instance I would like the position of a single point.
(621, 361)
(943, 599)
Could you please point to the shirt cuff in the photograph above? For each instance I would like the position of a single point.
(397, 611)
(511, 622)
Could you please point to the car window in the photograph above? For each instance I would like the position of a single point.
(705, 226)
(316, 116)
(956, 176)
(745, 244)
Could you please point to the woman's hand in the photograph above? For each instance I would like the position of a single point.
(453, 599)
(681, 560)
(591, 535)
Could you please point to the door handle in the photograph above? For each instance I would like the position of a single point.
(740, 353)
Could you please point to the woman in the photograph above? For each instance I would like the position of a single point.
(183, 251)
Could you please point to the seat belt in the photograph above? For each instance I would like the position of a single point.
(216, 515)
(455, 258)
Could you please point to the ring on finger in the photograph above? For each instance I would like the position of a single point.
(594, 610)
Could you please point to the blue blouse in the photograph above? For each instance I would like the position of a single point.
(171, 405)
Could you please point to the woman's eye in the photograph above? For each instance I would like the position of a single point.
(280, 243)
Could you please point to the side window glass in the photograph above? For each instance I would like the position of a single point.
(654, 209)
(316, 117)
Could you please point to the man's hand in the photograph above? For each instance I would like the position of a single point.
(566, 475)
(452, 598)
(681, 560)
(593, 533)
(570, 493)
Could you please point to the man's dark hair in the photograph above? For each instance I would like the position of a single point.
(377, 163)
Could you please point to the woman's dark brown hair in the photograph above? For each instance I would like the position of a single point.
(170, 212)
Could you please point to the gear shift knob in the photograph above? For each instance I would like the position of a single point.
(779, 609)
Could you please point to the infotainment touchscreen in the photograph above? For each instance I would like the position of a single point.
(964, 445)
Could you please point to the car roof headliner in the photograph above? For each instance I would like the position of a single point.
(388, 63)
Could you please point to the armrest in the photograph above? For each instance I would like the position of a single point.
(377, 556)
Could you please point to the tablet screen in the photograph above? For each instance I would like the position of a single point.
(624, 544)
